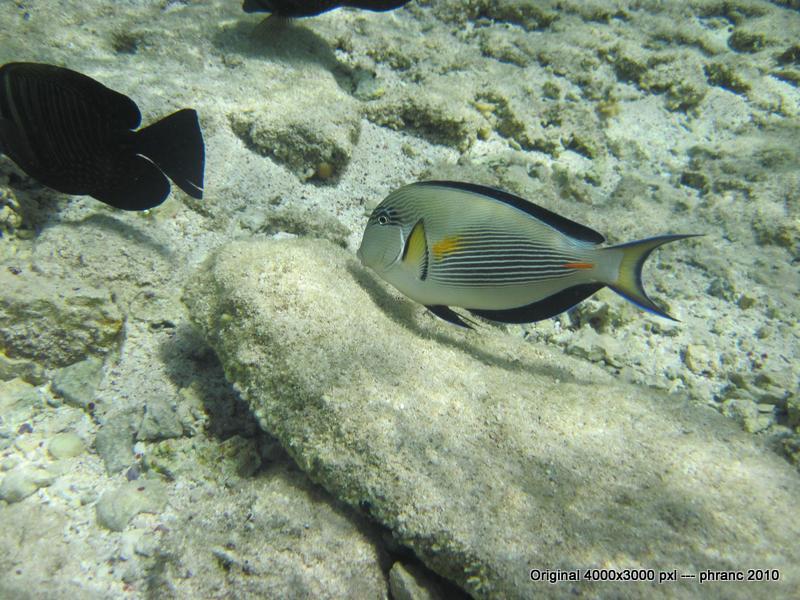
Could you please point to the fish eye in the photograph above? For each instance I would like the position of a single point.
(383, 220)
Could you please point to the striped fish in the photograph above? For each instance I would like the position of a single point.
(446, 243)
(76, 136)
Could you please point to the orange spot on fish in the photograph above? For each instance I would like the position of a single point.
(446, 246)
(578, 265)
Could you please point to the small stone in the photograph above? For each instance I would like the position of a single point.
(65, 445)
(114, 442)
(28, 445)
(25, 369)
(747, 414)
(22, 482)
(9, 463)
(160, 422)
(18, 399)
(722, 287)
(77, 382)
(746, 301)
(596, 347)
(324, 170)
(116, 508)
(699, 359)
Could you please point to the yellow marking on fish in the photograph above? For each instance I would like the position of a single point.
(416, 245)
(446, 246)
(578, 265)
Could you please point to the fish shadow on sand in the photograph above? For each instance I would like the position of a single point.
(402, 312)
(129, 232)
(283, 40)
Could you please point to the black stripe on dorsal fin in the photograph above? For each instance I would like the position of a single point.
(562, 224)
(542, 309)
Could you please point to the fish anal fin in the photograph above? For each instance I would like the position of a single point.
(142, 186)
(542, 309)
(448, 314)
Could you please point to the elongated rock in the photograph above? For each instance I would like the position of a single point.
(487, 456)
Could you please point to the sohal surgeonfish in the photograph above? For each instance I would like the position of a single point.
(445, 243)
(76, 136)
(310, 8)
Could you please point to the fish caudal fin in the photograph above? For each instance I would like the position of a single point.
(629, 279)
(175, 145)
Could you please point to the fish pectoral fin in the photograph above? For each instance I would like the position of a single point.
(448, 314)
(415, 252)
(542, 309)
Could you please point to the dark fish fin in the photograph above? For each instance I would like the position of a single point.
(562, 224)
(376, 5)
(542, 309)
(629, 281)
(448, 314)
(175, 144)
(251, 6)
(142, 186)
(122, 111)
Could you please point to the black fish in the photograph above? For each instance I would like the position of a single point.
(310, 8)
(76, 136)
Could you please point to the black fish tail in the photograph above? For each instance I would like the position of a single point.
(629, 279)
(175, 145)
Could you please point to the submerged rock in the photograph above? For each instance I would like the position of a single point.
(22, 482)
(485, 455)
(271, 536)
(77, 383)
(295, 137)
(55, 321)
(117, 507)
(67, 444)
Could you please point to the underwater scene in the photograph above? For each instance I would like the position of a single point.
(409, 299)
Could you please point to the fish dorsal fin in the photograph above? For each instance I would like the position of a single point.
(562, 224)
(40, 79)
(415, 252)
